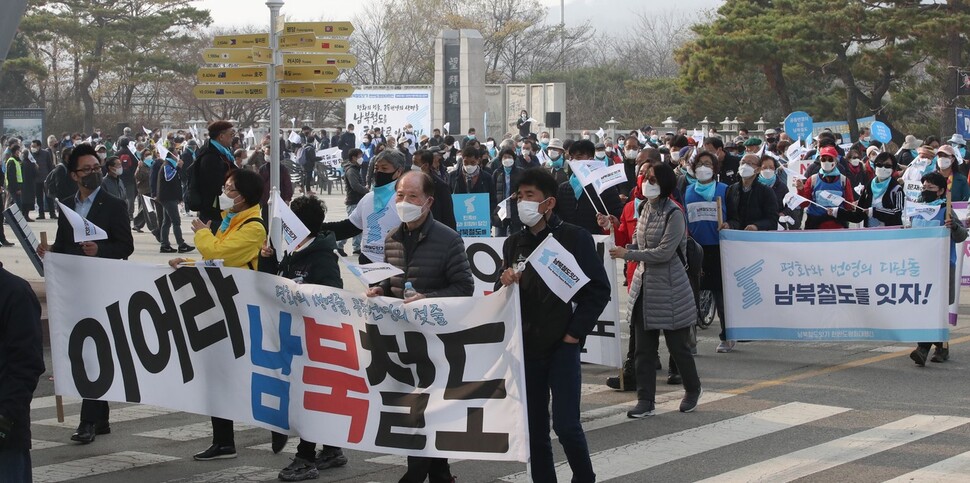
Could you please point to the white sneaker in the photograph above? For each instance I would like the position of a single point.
(726, 346)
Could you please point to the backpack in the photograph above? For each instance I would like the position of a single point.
(51, 183)
(693, 260)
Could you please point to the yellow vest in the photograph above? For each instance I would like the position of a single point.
(20, 174)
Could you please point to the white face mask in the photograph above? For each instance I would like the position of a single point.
(883, 173)
(415, 167)
(526, 152)
(944, 163)
(529, 212)
(225, 202)
(631, 154)
(508, 162)
(471, 169)
(828, 166)
(855, 161)
(675, 155)
(609, 149)
(554, 155)
(101, 156)
(600, 154)
(408, 212)
(490, 144)
(746, 171)
(117, 171)
(704, 174)
(650, 191)
(767, 173)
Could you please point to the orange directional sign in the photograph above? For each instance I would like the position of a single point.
(234, 74)
(303, 39)
(320, 29)
(228, 56)
(340, 61)
(241, 41)
(308, 90)
(228, 91)
(322, 45)
(308, 74)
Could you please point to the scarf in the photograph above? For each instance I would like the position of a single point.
(706, 191)
(382, 195)
(879, 188)
(577, 186)
(222, 149)
(225, 221)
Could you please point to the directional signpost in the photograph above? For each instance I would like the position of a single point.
(308, 74)
(340, 61)
(237, 41)
(320, 29)
(228, 56)
(322, 45)
(232, 74)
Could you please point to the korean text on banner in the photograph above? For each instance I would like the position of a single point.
(307, 360)
(609, 177)
(330, 157)
(889, 284)
(472, 214)
(391, 110)
(558, 268)
(84, 230)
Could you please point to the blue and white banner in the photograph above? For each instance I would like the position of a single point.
(558, 268)
(473, 216)
(836, 285)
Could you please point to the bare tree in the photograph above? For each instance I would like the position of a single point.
(647, 47)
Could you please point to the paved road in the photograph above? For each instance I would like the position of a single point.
(771, 412)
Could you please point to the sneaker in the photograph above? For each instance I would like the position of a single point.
(185, 248)
(674, 379)
(641, 410)
(216, 452)
(940, 354)
(726, 346)
(167, 249)
(629, 382)
(689, 403)
(330, 458)
(919, 356)
(299, 470)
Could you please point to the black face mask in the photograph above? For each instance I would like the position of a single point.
(91, 181)
(929, 196)
(381, 178)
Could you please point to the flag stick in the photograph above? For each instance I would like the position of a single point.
(720, 214)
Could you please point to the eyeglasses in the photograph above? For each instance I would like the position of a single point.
(227, 189)
(88, 170)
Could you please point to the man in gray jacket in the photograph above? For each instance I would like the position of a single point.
(435, 264)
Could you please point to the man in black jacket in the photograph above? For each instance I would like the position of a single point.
(356, 188)
(347, 142)
(21, 363)
(213, 163)
(109, 214)
(728, 162)
(443, 208)
(577, 204)
(552, 330)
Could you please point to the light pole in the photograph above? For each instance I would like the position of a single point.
(274, 101)
(562, 33)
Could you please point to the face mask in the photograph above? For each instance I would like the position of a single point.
(523, 116)
(704, 174)
(91, 181)
(118, 171)
(600, 154)
(609, 150)
(408, 212)
(944, 163)
(225, 202)
(675, 155)
(471, 136)
(34, 150)
(526, 152)
(529, 212)
(508, 162)
(828, 166)
(929, 196)
(883, 173)
(631, 154)
(544, 141)
(655, 139)
(381, 178)
(415, 167)
(768, 173)
(471, 169)
(554, 155)
(489, 144)
(650, 191)
(855, 161)
(746, 171)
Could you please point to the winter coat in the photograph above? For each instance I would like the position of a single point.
(315, 263)
(437, 265)
(238, 246)
(668, 300)
(21, 355)
(758, 207)
(354, 183)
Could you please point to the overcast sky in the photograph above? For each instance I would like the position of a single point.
(610, 14)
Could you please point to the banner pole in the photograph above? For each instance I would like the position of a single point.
(720, 214)
(58, 400)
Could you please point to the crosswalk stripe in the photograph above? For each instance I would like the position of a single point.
(36, 444)
(632, 458)
(128, 413)
(51, 401)
(594, 419)
(97, 465)
(238, 473)
(950, 470)
(843, 450)
(290, 447)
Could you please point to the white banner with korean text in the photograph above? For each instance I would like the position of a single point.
(439, 377)
(603, 345)
(837, 285)
(390, 110)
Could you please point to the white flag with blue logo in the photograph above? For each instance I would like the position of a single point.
(286, 230)
(558, 268)
(84, 230)
(371, 273)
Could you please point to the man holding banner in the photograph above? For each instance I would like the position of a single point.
(109, 214)
(549, 260)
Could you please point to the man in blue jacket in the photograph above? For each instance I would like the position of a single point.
(553, 331)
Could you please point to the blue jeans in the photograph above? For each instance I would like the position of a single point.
(559, 373)
(15, 466)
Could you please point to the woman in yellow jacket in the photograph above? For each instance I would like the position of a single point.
(237, 244)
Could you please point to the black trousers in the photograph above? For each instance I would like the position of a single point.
(94, 411)
(435, 470)
(222, 434)
(648, 341)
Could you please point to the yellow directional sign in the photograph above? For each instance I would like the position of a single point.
(228, 91)
(307, 90)
(304, 39)
(323, 45)
(308, 74)
(340, 61)
(235, 74)
(228, 56)
(321, 29)
(262, 55)
(241, 41)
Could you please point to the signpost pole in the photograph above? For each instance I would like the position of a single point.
(274, 94)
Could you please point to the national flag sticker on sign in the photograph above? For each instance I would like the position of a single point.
(220, 92)
(328, 29)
